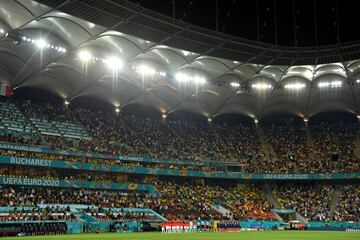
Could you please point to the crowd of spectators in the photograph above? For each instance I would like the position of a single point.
(348, 208)
(298, 150)
(290, 144)
(183, 201)
(37, 214)
(311, 201)
(336, 139)
(174, 201)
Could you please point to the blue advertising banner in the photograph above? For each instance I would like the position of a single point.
(22, 181)
(175, 173)
(26, 148)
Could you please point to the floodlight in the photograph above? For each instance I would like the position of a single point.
(336, 83)
(84, 56)
(261, 86)
(41, 43)
(114, 63)
(66, 102)
(295, 86)
(146, 70)
(181, 77)
(333, 84)
(186, 53)
(235, 84)
(117, 110)
(164, 116)
(199, 80)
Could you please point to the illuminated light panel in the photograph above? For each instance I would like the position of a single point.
(181, 77)
(41, 43)
(145, 70)
(114, 63)
(235, 84)
(186, 53)
(84, 55)
(199, 80)
(295, 86)
(261, 86)
(333, 84)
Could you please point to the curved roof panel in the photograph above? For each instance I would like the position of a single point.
(168, 65)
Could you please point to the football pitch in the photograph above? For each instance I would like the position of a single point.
(261, 235)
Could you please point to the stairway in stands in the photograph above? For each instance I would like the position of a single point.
(266, 147)
(339, 189)
(357, 147)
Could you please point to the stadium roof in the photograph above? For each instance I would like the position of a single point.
(168, 65)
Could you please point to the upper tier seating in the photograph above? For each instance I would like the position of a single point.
(12, 120)
(58, 128)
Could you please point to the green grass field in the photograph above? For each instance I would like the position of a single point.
(263, 235)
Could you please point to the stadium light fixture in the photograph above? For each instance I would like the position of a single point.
(306, 120)
(261, 86)
(256, 121)
(114, 63)
(117, 109)
(333, 84)
(84, 56)
(295, 86)
(199, 80)
(182, 77)
(41, 43)
(235, 84)
(146, 70)
(164, 116)
(186, 53)
(209, 119)
(66, 102)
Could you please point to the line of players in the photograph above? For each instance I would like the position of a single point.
(200, 226)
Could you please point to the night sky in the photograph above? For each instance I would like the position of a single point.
(239, 18)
